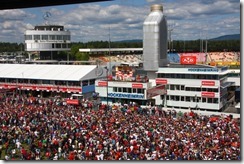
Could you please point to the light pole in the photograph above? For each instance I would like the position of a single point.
(107, 108)
(109, 67)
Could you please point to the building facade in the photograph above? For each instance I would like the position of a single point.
(48, 40)
(196, 87)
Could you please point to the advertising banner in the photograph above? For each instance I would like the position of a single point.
(208, 83)
(208, 94)
(188, 60)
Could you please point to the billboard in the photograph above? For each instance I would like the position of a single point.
(208, 83)
(137, 85)
(161, 81)
(102, 83)
(208, 94)
(188, 60)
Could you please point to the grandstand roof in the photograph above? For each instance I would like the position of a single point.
(48, 72)
(109, 49)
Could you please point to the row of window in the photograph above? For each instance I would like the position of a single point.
(128, 90)
(183, 88)
(191, 76)
(48, 82)
(59, 45)
(191, 99)
(234, 75)
(47, 37)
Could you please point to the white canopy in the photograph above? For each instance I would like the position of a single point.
(48, 71)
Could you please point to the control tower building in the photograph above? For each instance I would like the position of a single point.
(155, 40)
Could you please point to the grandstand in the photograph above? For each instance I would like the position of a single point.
(211, 58)
(174, 57)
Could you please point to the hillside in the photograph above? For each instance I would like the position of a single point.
(220, 38)
(227, 37)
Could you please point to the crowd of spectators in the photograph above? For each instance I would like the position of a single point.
(42, 129)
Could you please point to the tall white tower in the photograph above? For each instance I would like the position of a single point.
(155, 39)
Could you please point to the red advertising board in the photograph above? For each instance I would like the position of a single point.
(72, 102)
(102, 83)
(161, 81)
(208, 94)
(208, 83)
(137, 85)
(185, 60)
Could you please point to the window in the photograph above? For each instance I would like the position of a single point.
(134, 90)
(58, 45)
(119, 89)
(216, 101)
(125, 90)
(167, 75)
(177, 87)
(59, 37)
(187, 89)
(85, 83)
(92, 82)
(172, 87)
(140, 90)
(52, 37)
(204, 99)
(64, 45)
(115, 89)
(44, 37)
(182, 87)
(210, 100)
(204, 89)
(177, 98)
(187, 76)
(182, 98)
(187, 98)
(129, 90)
(36, 37)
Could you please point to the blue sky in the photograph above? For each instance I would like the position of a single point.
(188, 19)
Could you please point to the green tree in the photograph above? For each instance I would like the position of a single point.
(81, 56)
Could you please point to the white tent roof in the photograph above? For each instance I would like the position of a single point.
(47, 71)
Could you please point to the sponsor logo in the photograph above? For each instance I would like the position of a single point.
(126, 95)
(102, 83)
(161, 81)
(208, 83)
(134, 85)
(208, 94)
(188, 60)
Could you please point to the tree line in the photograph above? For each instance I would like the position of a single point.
(178, 46)
(175, 46)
